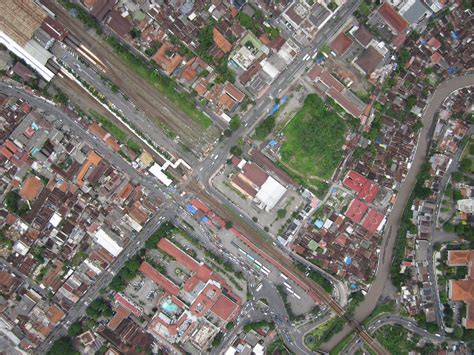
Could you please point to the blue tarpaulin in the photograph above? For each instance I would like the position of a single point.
(353, 286)
(204, 219)
(318, 223)
(454, 35)
(191, 209)
(452, 70)
(348, 260)
(277, 106)
(272, 143)
(422, 41)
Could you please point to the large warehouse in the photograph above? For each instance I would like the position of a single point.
(256, 184)
(19, 19)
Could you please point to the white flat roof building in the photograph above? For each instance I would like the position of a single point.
(157, 171)
(32, 53)
(105, 241)
(270, 193)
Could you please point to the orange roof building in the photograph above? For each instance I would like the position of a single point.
(158, 278)
(93, 159)
(341, 43)
(463, 290)
(393, 19)
(166, 57)
(31, 188)
(221, 42)
(224, 308)
(54, 314)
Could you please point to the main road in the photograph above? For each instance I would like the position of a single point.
(283, 82)
(393, 222)
(408, 323)
(166, 212)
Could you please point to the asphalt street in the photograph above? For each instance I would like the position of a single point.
(127, 108)
(405, 322)
(32, 284)
(393, 221)
(151, 183)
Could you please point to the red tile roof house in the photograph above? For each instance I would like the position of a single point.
(341, 43)
(363, 36)
(356, 210)
(372, 221)
(369, 60)
(463, 290)
(392, 18)
(337, 91)
(361, 186)
(167, 58)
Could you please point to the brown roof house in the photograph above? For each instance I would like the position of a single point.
(363, 36)
(369, 60)
(167, 58)
(221, 42)
(31, 188)
(463, 290)
(341, 43)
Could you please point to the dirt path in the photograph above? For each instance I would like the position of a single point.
(385, 261)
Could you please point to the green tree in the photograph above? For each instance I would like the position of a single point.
(281, 213)
(236, 150)
(135, 33)
(411, 101)
(264, 128)
(458, 332)
(75, 329)
(206, 39)
(403, 58)
(234, 123)
(448, 227)
(228, 224)
(99, 308)
(465, 165)
(12, 200)
(63, 346)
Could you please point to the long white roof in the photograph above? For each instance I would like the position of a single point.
(104, 240)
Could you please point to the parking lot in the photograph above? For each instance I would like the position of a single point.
(144, 293)
(289, 203)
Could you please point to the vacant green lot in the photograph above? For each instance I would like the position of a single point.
(396, 339)
(313, 139)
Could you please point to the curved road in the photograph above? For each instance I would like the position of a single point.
(405, 322)
(393, 222)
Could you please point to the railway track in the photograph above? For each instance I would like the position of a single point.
(146, 96)
(264, 246)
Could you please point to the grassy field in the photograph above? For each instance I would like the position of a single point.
(164, 85)
(396, 339)
(313, 139)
